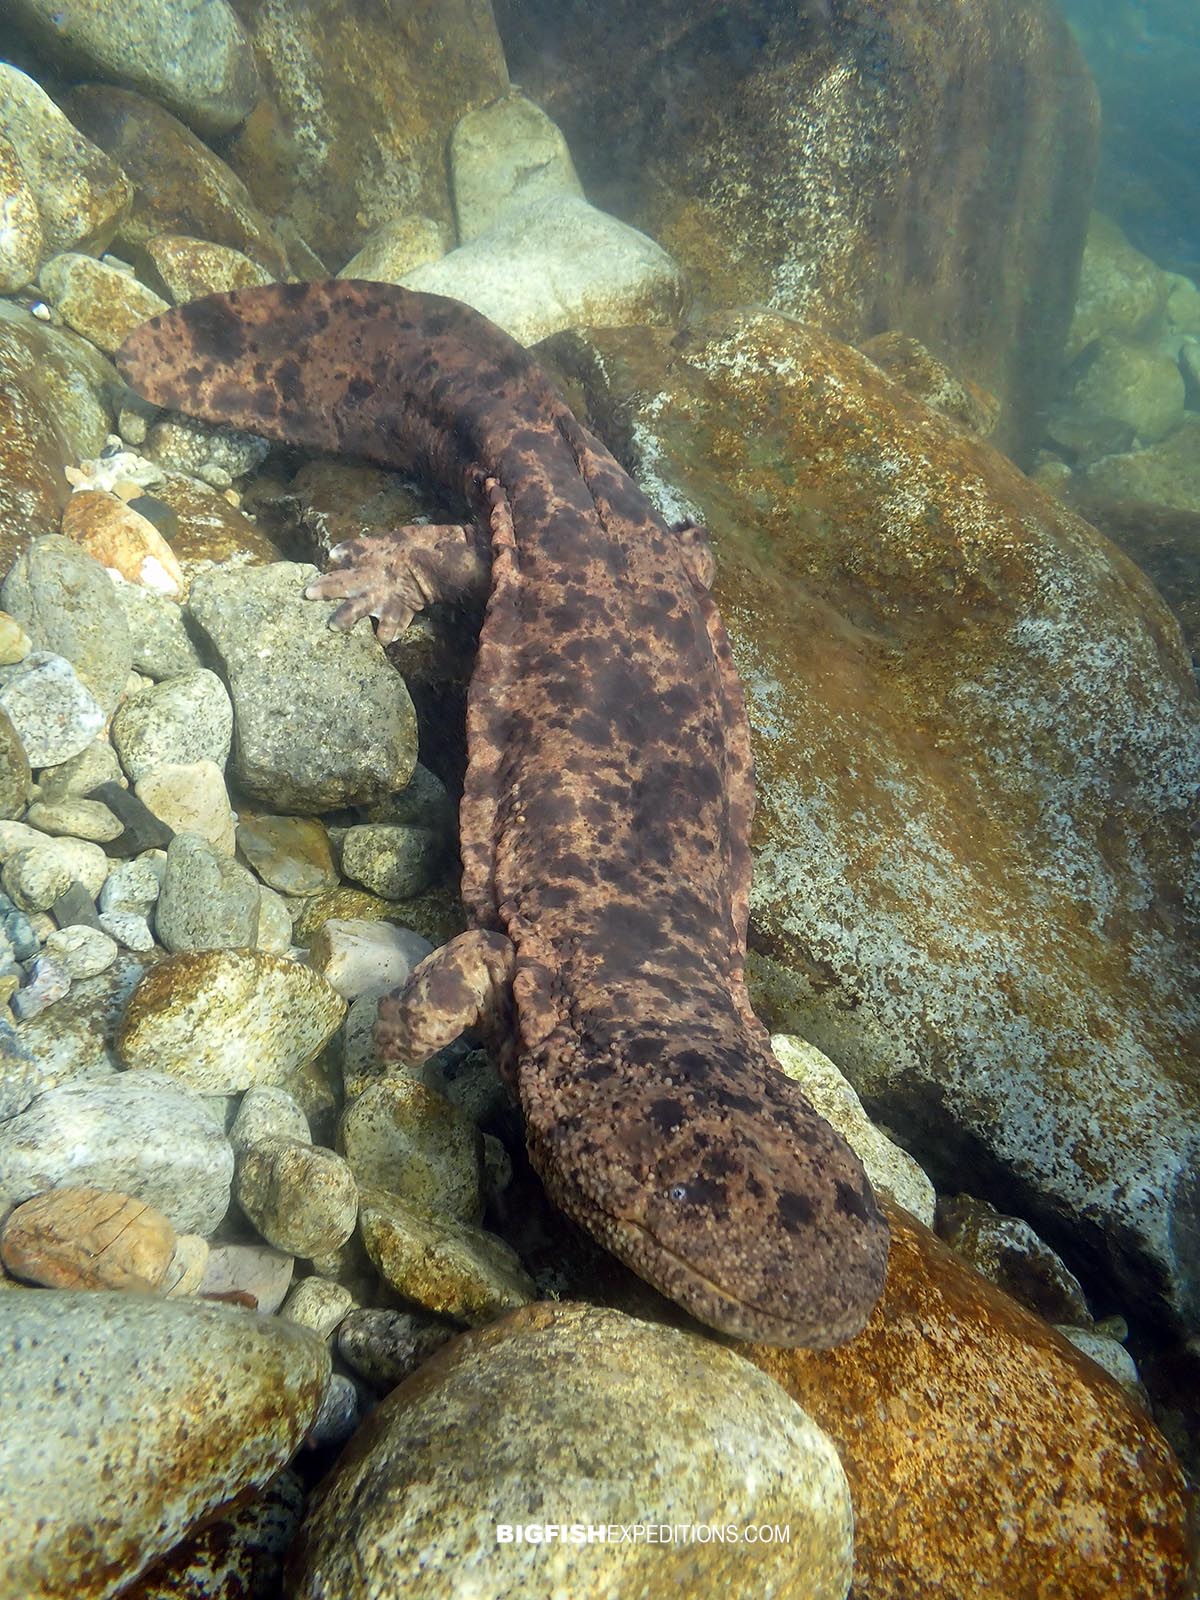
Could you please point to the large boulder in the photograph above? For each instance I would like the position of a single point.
(917, 165)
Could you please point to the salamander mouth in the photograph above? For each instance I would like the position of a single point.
(727, 1313)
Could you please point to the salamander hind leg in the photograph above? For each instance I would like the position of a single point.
(391, 576)
(464, 984)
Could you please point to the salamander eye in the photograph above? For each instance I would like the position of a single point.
(677, 1192)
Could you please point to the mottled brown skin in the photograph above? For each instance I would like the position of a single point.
(606, 814)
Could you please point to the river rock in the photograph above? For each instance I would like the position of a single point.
(503, 156)
(184, 719)
(80, 194)
(76, 1038)
(521, 1460)
(187, 268)
(955, 1397)
(396, 247)
(21, 1077)
(760, 149)
(255, 1273)
(81, 951)
(360, 957)
(291, 854)
(319, 1304)
(66, 602)
(161, 646)
(90, 820)
(355, 127)
(55, 715)
(300, 1197)
(21, 242)
(889, 1168)
(54, 384)
(322, 718)
(268, 1112)
(235, 1556)
(400, 1136)
(122, 541)
(392, 861)
(140, 1134)
(220, 1020)
(15, 777)
(127, 1419)
(384, 1346)
(208, 901)
(452, 1269)
(1008, 1253)
(100, 301)
(197, 62)
(191, 798)
(1121, 291)
(84, 1238)
(558, 263)
(179, 185)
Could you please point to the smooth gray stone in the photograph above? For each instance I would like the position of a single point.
(125, 1419)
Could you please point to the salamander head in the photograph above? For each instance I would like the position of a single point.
(706, 1171)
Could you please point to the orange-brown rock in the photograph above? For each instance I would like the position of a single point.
(84, 1238)
(866, 164)
(359, 105)
(987, 1457)
(978, 739)
(119, 537)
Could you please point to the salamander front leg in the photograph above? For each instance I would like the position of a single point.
(697, 553)
(464, 984)
(391, 576)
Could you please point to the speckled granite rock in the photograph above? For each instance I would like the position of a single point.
(955, 1397)
(126, 1419)
(53, 383)
(137, 1133)
(188, 718)
(54, 714)
(208, 900)
(21, 1077)
(99, 301)
(400, 1136)
(80, 194)
(300, 1197)
(235, 1556)
(1009, 1254)
(354, 127)
(815, 159)
(589, 1457)
(196, 60)
(220, 1020)
(21, 242)
(183, 269)
(66, 603)
(450, 1268)
(75, 1038)
(322, 719)
(977, 737)
(179, 185)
